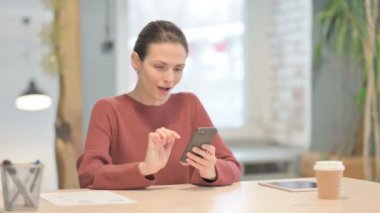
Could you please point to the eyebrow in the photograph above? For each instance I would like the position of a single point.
(158, 61)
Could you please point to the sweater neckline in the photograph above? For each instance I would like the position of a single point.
(139, 104)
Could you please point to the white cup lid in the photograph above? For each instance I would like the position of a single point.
(329, 165)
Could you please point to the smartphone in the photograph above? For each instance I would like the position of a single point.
(202, 135)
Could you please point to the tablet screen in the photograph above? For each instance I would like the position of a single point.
(291, 185)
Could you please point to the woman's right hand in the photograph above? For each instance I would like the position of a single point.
(160, 144)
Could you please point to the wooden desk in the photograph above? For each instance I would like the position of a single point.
(247, 196)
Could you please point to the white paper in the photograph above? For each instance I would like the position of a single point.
(92, 197)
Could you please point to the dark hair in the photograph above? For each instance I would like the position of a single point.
(158, 32)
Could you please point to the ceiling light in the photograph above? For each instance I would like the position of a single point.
(33, 99)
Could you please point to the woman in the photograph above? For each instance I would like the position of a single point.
(136, 140)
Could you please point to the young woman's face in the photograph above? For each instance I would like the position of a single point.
(160, 71)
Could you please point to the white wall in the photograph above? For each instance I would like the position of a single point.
(98, 68)
(258, 66)
(25, 136)
(279, 65)
(290, 70)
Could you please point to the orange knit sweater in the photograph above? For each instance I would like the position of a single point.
(117, 141)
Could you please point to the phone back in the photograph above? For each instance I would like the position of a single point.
(202, 135)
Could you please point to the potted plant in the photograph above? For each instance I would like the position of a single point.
(350, 29)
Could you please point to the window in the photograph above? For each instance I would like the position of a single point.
(234, 64)
(215, 66)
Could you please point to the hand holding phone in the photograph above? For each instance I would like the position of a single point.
(202, 135)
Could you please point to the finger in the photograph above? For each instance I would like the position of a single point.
(169, 145)
(194, 163)
(198, 159)
(154, 142)
(205, 160)
(184, 163)
(162, 133)
(209, 148)
(155, 138)
(175, 134)
(172, 133)
(168, 134)
(202, 152)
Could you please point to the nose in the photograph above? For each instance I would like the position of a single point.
(169, 76)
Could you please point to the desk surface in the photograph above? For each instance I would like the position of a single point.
(246, 196)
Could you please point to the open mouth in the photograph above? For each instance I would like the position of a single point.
(164, 88)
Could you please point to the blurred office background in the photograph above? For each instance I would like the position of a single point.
(250, 62)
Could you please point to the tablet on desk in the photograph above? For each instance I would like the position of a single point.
(291, 185)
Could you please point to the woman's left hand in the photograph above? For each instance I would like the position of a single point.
(205, 162)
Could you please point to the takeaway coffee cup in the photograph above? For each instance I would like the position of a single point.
(329, 175)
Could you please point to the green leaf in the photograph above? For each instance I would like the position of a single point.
(342, 38)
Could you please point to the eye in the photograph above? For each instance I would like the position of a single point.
(178, 69)
(159, 67)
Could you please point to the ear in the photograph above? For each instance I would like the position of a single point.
(135, 61)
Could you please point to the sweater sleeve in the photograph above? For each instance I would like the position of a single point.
(228, 168)
(96, 168)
